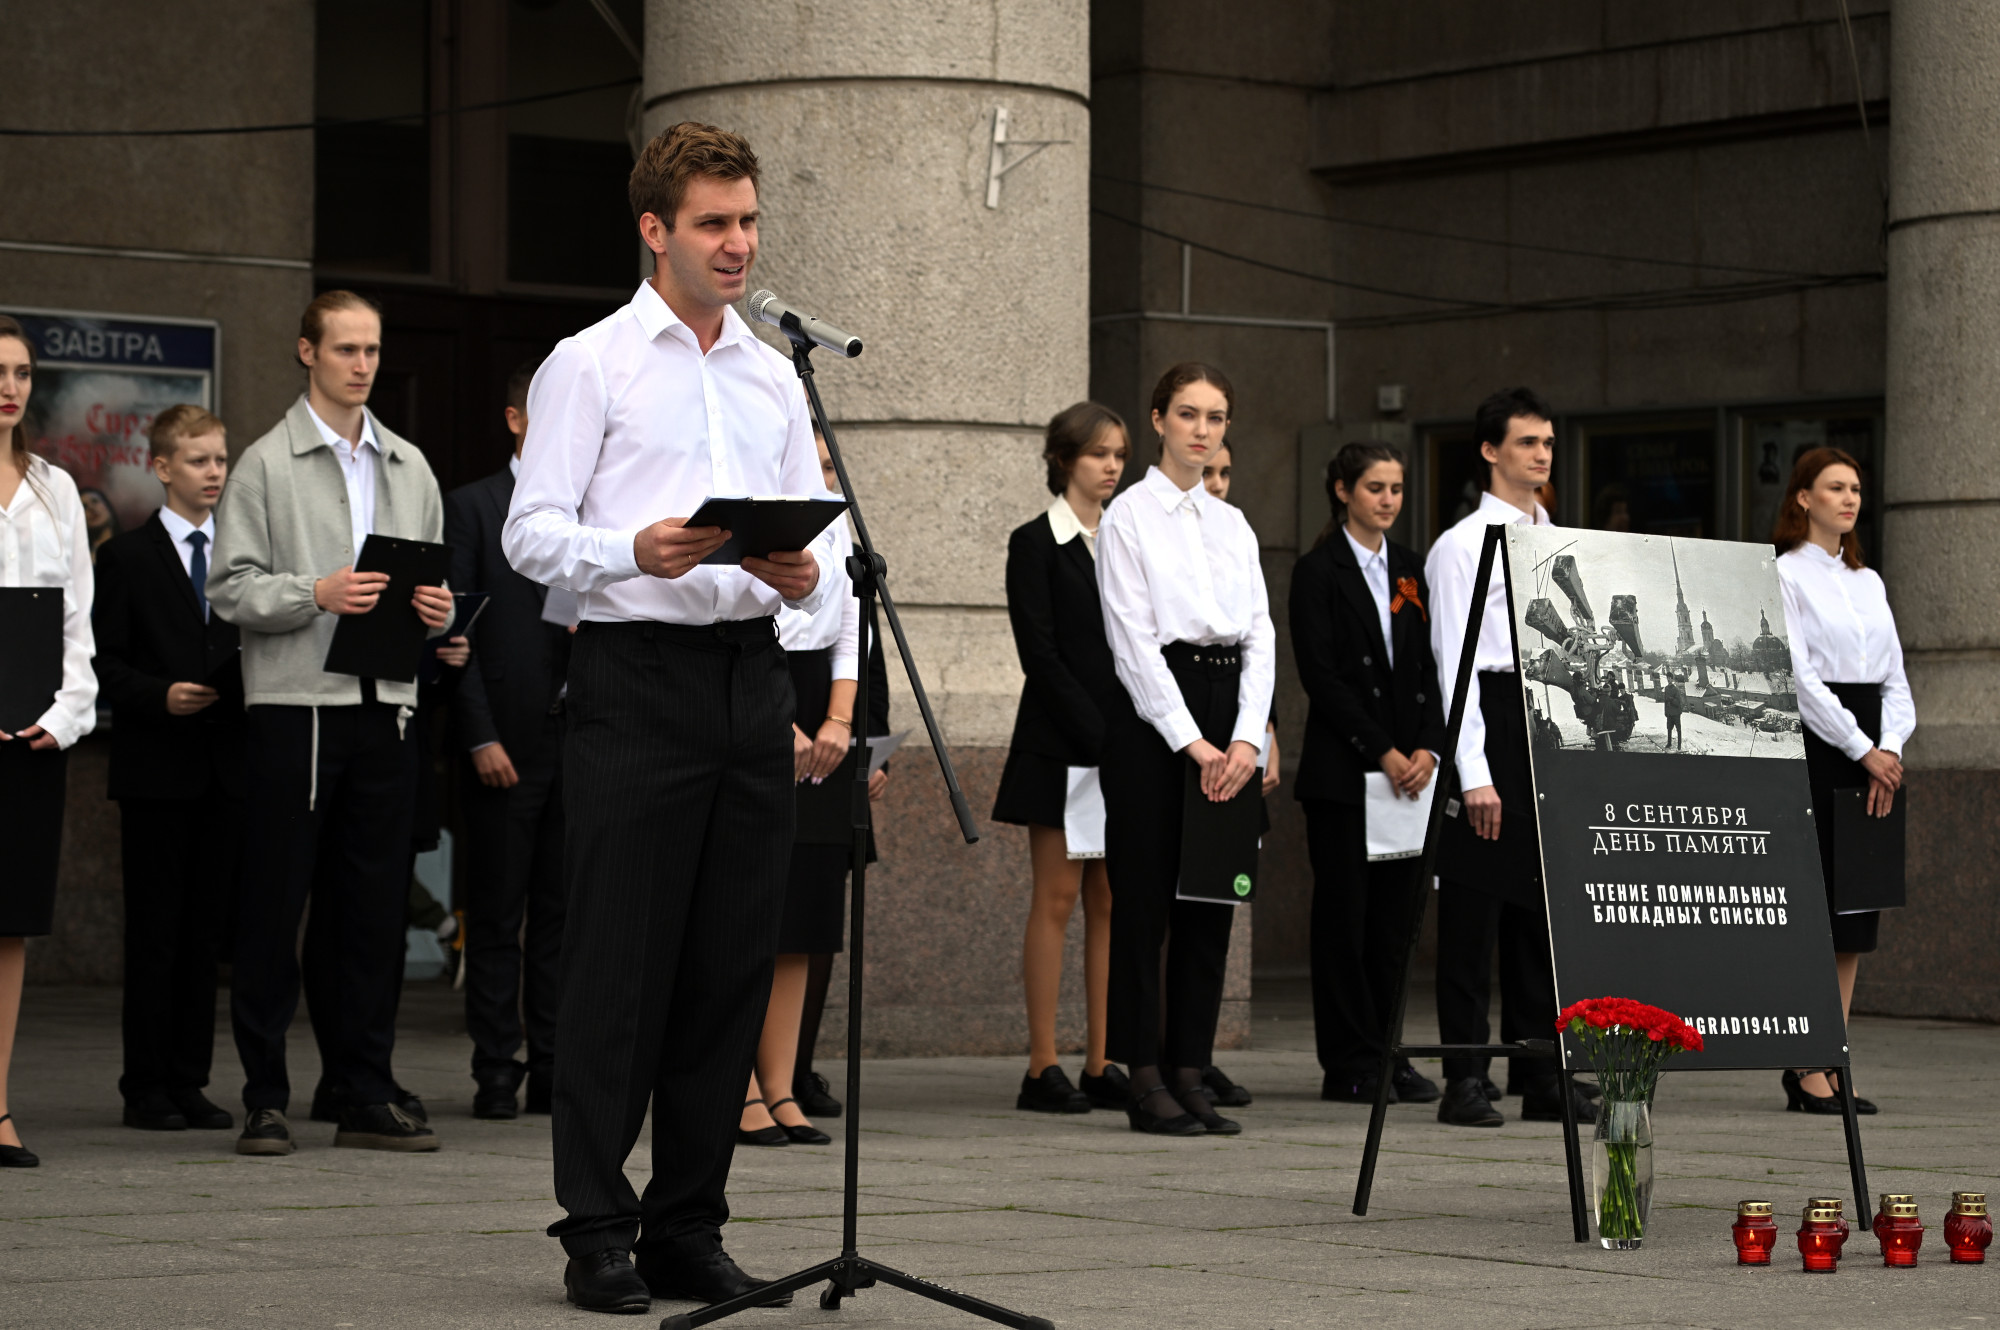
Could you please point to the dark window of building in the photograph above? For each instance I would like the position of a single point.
(1656, 477)
(1775, 439)
(372, 182)
(568, 158)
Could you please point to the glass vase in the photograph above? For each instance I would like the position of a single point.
(1621, 1172)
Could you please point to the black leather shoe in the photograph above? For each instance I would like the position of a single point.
(199, 1112)
(383, 1127)
(1350, 1088)
(1224, 1091)
(815, 1096)
(1489, 1089)
(153, 1111)
(1413, 1087)
(604, 1281)
(802, 1133)
(495, 1103)
(17, 1156)
(412, 1105)
(1183, 1123)
(1862, 1107)
(1202, 1110)
(771, 1135)
(1051, 1092)
(1799, 1100)
(1465, 1105)
(1111, 1088)
(265, 1132)
(710, 1277)
(1542, 1102)
(538, 1093)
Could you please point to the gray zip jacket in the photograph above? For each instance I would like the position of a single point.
(281, 526)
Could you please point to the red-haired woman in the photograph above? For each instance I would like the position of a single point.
(1853, 697)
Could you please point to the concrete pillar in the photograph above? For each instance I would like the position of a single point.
(1942, 487)
(874, 123)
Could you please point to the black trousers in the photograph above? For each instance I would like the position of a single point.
(514, 875)
(1143, 787)
(345, 845)
(677, 772)
(1470, 923)
(180, 884)
(1360, 923)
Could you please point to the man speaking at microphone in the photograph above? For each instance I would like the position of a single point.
(678, 759)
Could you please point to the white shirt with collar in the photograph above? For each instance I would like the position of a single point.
(357, 467)
(1375, 571)
(1841, 631)
(837, 627)
(1177, 565)
(178, 531)
(1067, 526)
(1451, 569)
(629, 423)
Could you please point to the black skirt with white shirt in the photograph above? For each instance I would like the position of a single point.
(1828, 769)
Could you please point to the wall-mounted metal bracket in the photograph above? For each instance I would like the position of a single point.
(997, 164)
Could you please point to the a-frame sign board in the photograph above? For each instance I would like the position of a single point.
(1679, 858)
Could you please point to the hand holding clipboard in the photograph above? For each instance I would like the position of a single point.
(767, 536)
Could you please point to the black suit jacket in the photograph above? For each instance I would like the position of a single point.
(1072, 691)
(150, 635)
(518, 662)
(1361, 708)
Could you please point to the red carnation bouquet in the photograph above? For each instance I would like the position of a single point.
(1626, 1042)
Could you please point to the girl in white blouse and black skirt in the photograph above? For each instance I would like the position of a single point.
(1853, 697)
(1190, 630)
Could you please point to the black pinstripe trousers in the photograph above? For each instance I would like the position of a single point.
(679, 808)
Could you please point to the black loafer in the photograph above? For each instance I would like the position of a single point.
(383, 1127)
(604, 1281)
(815, 1096)
(265, 1132)
(1051, 1092)
(1465, 1105)
(1351, 1088)
(1222, 1090)
(495, 1103)
(153, 1111)
(201, 1115)
(1111, 1088)
(1543, 1103)
(710, 1277)
(1413, 1087)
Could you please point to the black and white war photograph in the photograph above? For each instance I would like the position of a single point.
(1652, 644)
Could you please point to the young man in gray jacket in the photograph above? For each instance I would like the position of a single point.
(332, 774)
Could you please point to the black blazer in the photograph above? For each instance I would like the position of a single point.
(518, 662)
(1361, 708)
(1072, 691)
(150, 635)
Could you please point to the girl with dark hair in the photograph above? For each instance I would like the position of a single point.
(1840, 628)
(1361, 635)
(1189, 625)
(1070, 698)
(43, 545)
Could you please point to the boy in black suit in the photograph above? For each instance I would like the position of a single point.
(509, 720)
(168, 668)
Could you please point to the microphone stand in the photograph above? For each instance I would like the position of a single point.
(849, 1272)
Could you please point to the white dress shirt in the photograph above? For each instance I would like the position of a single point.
(1375, 572)
(1179, 566)
(1841, 631)
(1067, 526)
(178, 531)
(45, 544)
(837, 626)
(1451, 569)
(357, 467)
(629, 423)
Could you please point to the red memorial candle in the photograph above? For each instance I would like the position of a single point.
(1889, 1198)
(1755, 1233)
(1968, 1230)
(1820, 1239)
(1901, 1232)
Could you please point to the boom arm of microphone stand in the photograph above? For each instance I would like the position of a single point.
(870, 565)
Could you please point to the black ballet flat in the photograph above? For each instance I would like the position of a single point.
(17, 1156)
(806, 1134)
(771, 1135)
(1195, 1101)
(1184, 1124)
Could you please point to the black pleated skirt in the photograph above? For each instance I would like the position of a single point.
(32, 790)
(1034, 791)
(814, 920)
(1828, 769)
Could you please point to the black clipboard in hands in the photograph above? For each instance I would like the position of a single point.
(1219, 841)
(31, 666)
(760, 526)
(388, 641)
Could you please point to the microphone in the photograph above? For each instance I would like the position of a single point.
(767, 308)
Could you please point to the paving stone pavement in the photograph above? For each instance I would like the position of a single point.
(1077, 1219)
